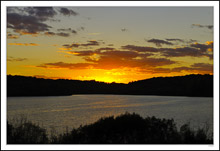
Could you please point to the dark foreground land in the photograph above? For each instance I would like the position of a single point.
(189, 85)
(124, 129)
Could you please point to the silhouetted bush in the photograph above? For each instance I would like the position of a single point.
(124, 129)
(26, 133)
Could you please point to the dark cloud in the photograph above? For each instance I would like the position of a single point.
(72, 45)
(63, 34)
(82, 28)
(25, 24)
(67, 12)
(204, 68)
(91, 43)
(124, 29)
(140, 48)
(194, 50)
(159, 42)
(65, 65)
(31, 20)
(210, 56)
(74, 31)
(181, 52)
(119, 54)
(154, 62)
(105, 48)
(191, 41)
(64, 29)
(50, 33)
(41, 13)
(16, 59)
(203, 26)
(202, 47)
(185, 51)
(175, 39)
(181, 40)
(68, 30)
(110, 52)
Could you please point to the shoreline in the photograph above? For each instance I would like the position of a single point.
(109, 94)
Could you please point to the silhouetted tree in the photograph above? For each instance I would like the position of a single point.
(190, 85)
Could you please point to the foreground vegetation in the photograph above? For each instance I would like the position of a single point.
(124, 129)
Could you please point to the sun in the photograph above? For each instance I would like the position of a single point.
(105, 79)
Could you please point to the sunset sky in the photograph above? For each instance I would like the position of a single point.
(110, 44)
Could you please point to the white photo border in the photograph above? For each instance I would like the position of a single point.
(214, 4)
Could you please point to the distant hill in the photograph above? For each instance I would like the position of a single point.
(189, 85)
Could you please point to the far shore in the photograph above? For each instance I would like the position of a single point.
(106, 94)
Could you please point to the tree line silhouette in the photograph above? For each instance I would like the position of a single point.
(189, 85)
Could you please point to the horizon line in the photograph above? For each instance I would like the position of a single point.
(50, 78)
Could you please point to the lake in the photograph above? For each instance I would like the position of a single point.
(59, 112)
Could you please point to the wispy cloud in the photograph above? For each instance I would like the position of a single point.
(193, 50)
(76, 45)
(50, 33)
(12, 59)
(203, 26)
(12, 36)
(175, 39)
(68, 12)
(159, 42)
(195, 68)
(63, 34)
(91, 43)
(140, 48)
(68, 30)
(65, 65)
(23, 44)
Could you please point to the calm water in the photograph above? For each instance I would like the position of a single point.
(61, 111)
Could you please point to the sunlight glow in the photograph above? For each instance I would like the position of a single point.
(105, 79)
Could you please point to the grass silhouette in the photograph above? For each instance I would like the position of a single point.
(126, 128)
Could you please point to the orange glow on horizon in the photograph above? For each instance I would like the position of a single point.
(105, 79)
